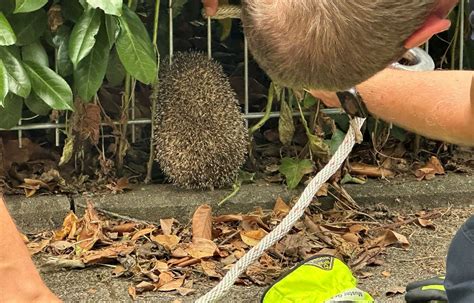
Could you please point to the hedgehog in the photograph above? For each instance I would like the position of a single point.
(200, 135)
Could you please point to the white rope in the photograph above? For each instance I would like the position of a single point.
(225, 11)
(288, 222)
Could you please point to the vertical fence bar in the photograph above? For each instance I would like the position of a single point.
(171, 34)
(20, 135)
(462, 11)
(246, 80)
(209, 37)
(56, 133)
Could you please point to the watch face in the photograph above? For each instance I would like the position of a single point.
(352, 103)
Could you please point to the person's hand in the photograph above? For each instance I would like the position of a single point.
(329, 98)
(210, 6)
(428, 290)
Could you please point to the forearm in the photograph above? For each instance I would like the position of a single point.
(19, 279)
(438, 104)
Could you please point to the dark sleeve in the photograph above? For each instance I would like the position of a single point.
(471, 17)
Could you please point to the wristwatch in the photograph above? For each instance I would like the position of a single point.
(352, 103)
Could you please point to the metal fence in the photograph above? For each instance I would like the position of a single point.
(229, 11)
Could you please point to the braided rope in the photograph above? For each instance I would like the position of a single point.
(225, 12)
(288, 222)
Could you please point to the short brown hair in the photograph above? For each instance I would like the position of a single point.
(329, 44)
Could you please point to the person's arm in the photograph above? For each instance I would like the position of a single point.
(438, 105)
(19, 279)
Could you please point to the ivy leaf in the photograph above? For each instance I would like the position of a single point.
(49, 86)
(135, 49)
(18, 81)
(26, 6)
(10, 113)
(294, 170)
(110, 7)
(35, 52)
(7, 6)
(90, 72)
(36, 105)
(336, 140)
(115, 73)
(7, 36)
(286, 126)
(29, 27)
(61, 59)
(112, 29)
(83, 35)
(3, 83)
(72, 10)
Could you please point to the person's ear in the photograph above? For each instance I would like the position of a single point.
(431, 27)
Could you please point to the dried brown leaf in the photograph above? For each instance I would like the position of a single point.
(281, 209)
(172, 285)
(167, 226)
(168, 241)
(228, 218)
(68, 229)
(143, 232)
(209, 268)
(61, 245)
(426, 223)
(395, 291)
(132, 292)
(107, 254)
(161, 266)
(36, 247)
(390, 238)
(201, 248)
(252, 237)
(183, 291)
(123, 228)
(432, 168)
(202, 222)
(363, 169)
(351, 237)
(386, 274)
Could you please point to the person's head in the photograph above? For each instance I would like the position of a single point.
(336, 44)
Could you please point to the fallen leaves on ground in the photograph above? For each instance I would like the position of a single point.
(430, 170)
(169, 257)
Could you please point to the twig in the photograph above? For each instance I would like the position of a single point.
(236, 189)
(115, 215)
(419, 259)
(229, 238)
(408, 221)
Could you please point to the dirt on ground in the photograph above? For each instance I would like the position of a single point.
(425, 257)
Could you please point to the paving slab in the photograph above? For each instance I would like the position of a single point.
(39, 213)
(155, 202)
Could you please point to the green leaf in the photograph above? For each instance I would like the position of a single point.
(286, 126)
(90, 72)
(350, 179)
(3, 83)
(7, 36)
(18, 81)
(135, 49)
(49, 86)
(26, 6)
(7, 6)
(36, 105)
(309, 101)
(336, 140)
(10, 114)
(72, 10)
(112, 29)
(83, 35)
(29, 27)
(294, 170)
(61, 59)
(110, 7)
(35, 52)
(178, 7)
(115, 73)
